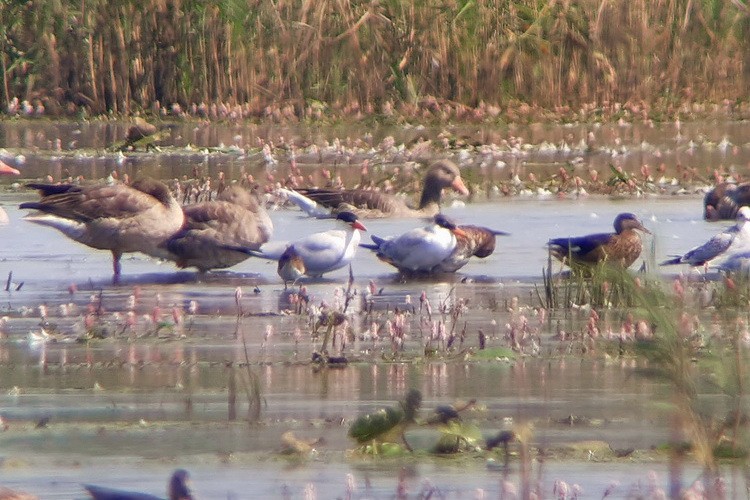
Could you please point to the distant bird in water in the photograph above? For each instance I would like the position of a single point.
(724, 200)
(723, 246)
(178, 489)
(441, 246)
(387, 425)
(6, 169)
(620, 248)
(318, 253)
(116, 217)
(291, 266)
(236, 218)
(374, 204)
(142, 133)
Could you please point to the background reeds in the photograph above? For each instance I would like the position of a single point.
(292, 59)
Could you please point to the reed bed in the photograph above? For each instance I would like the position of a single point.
(421, 58)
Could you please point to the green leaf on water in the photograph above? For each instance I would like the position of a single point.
(495, 353)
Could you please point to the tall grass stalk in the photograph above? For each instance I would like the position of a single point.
(421, 56)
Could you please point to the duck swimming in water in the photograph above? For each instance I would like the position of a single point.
(374, 204)
(621, 248)
(114, 217)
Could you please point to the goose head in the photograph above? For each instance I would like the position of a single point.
(743, 215)
(440, 175)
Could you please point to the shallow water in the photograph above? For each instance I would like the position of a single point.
(128, 409)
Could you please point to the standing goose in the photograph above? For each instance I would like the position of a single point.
(117, 217)
(723, 246)
(622, 247)
(178, 489)
(235, 218)
(373, 204)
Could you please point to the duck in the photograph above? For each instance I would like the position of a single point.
(316, 254)
(471, 241)
(722, 247)
(178, 489)
(117, 217)
(236, 217)
(6, 169)
(442, 246)
(724, 200)
(375, 204)
(621, 248)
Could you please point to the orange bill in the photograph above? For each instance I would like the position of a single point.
(8, 170)
(459, 186)
(358, 225)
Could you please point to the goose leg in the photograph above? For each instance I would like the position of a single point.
(116, 254)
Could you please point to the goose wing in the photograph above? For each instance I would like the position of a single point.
(358, 198)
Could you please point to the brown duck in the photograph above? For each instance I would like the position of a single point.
(622, 247)
(114, 217)
(373, 204)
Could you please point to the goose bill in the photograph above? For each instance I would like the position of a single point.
(8, 170)
(459, 186)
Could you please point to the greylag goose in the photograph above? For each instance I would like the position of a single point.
(441, 246)
(373, 204)
(235, 218)
(733, 240)
(178, 489)
(622, 247)
(116, 217)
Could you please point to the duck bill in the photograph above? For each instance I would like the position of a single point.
(459, 232)
(640, 226)
(459, 186)
(8, 170)
(358, 225)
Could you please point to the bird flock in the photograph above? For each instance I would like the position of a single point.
(146, 216)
